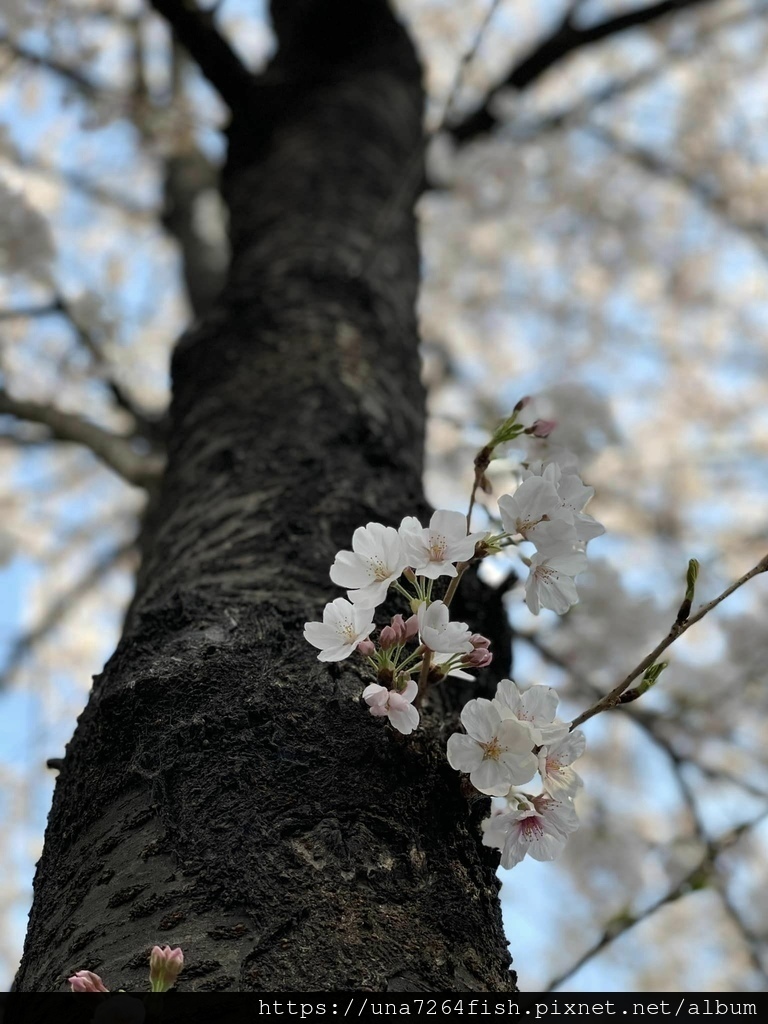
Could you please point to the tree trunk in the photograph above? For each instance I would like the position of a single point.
(224, 791)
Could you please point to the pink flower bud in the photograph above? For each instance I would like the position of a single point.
(164, 967)
(477, 640)
(411, 626)
(387, 638)
(542, 428)
(398, 625)
(86, 981)
(478, 658)
(522, 403)
(366, 647)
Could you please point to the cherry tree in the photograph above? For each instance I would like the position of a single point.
(302, 822)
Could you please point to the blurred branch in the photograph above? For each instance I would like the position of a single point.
(712, 200)
(705, 870)
(698, 877)
(466, 59)
(677, 54)
(652, 724)
(57, 611)
(611, 700)
(111, 449)
(564, 40)
(84, 85)
(196, 30)
(20, 312)
(83, 184)
(188, 174)
(146, 424)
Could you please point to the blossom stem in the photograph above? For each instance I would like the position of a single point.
(414, 656)
(482, 462)
(612, 699)
(401, 589)
(454, 584)
(423, 677)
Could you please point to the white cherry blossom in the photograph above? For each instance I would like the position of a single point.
(538, 827)
(536, 705)
(534, 501)
(572, 498)
(557, 776)
(556, 562)
(344, 625)
(497, 754)
(439, 634)
(398, 707)
(375, 561)
(431, 551)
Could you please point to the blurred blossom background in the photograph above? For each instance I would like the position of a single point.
(603, 247)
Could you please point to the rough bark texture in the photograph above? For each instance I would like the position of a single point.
(224, 790)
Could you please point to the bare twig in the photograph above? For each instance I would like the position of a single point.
(20, 312)
(112, 449)
(145, 423)
(580, 109)
(703, 874)
(466, 59)
(650, 724)
(564, 40)
(84, 85)
(654, 163)
(611, 700)
(86, 186)
(57, 611)
(412, 179)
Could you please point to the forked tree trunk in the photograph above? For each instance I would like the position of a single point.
(224, 791)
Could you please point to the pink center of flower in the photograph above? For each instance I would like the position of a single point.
(532, 828)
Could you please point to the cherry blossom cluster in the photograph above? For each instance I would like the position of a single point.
(507, 740)
(547, 509)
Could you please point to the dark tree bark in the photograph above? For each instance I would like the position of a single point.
(225, 791)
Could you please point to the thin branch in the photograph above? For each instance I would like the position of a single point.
(697, 877)
(113, 450)
(649, 721)
(466, 59)
(84, 85)
(653, 163)
(623, 924)
(145, 423)
(580, 109)
(86, 186)
(187, 174)
(412, 181)
(20, 312)
(58, 610)
(611, 700)
(566, 38)
(197, 32)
